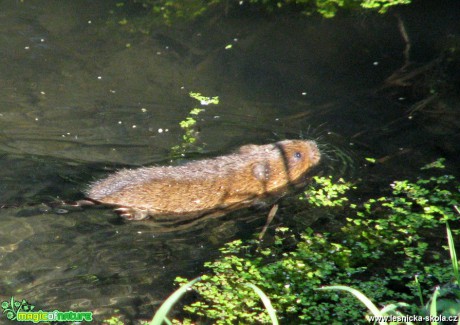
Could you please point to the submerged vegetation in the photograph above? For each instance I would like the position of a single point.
(387, 251)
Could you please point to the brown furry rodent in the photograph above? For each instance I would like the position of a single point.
(221, 184)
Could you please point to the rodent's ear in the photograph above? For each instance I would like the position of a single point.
(247, 148)
(261, 171)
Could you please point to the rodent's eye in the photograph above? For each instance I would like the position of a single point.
(298, 155)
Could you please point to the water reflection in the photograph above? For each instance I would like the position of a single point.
(92, 259)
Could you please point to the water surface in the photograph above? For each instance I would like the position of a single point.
(81, 98)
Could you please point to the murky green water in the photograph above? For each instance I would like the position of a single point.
(79, 98)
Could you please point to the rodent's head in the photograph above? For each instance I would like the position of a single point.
(299, 156)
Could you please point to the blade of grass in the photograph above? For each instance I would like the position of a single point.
(419, 290)
(453, 254)
(358, 294)
(267, 303)
(162, 312)
(433, 305)
(392, 309)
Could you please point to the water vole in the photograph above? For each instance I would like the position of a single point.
(221, 184)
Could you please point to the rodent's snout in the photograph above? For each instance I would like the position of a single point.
(315, 154)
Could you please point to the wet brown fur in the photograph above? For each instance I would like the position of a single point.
(220, 184)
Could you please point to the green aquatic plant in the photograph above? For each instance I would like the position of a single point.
(204, 100)
(236, 302)
(382, 245)
(446, 307)
(324, 192)
(189, 124)
(161, 314)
